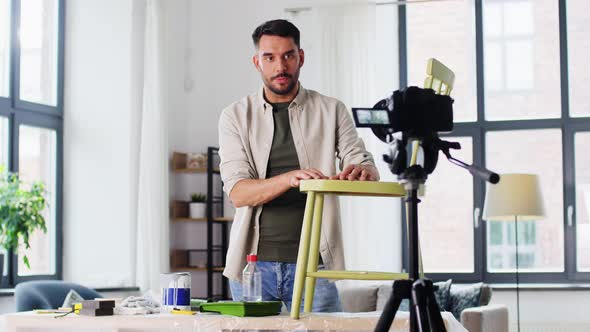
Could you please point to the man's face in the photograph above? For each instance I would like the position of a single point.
(278, 59)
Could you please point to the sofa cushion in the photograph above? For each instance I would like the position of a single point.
(465, 296)
(357, 297)
(442, 295)
(486, 295)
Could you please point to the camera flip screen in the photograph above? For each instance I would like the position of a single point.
(370, 117)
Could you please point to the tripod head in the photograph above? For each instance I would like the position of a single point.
(396, 157)
(415, 115)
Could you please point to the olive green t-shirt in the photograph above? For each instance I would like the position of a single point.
(281, 218)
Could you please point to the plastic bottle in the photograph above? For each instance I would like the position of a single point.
(251, 281)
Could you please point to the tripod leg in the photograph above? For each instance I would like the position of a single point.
(389, 311)
(436, 320)
(401, 290)
(419, 295)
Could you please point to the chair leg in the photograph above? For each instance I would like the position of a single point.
(314, 251)
(302, 256)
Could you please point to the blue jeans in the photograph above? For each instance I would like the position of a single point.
(277, 285)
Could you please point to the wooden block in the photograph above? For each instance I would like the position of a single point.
(179, 258)
(98, 304)
(179, 209)
(178, 160)
(96, 312)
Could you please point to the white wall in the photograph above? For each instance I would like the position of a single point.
(219, 63)
(100, 134)
(547, 310)
(97, 147)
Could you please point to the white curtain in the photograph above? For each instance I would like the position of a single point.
(341, 51)
(152, 226)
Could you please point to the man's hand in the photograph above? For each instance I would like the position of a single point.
(293, 177)
(357, 172)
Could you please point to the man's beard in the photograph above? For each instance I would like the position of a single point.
(283, 91)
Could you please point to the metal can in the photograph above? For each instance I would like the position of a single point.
(176, 291)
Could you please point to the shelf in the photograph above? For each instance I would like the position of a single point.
(192, 269)
(193, 170)
(180, 259)
(218, 219)
(178, 164)
(224, 219)
(189, 170)
(189, 219)
(213, 248)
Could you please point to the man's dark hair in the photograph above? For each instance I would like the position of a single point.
(281, 28)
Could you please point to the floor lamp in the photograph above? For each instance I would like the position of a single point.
(517, 197)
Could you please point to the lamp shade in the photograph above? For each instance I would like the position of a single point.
(515, 197)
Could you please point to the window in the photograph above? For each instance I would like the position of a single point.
(520, 107)
(502, 246)
(452, 188)
(4, 148)
(582, 142)
(38, 51)
(521, 59)
(453, 44)
(4, 141)
(31, 86)
(4, 47)
(37, 162)
(541, 149)
(509, 31)
(578, 49)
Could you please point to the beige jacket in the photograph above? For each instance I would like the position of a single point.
(322, 130)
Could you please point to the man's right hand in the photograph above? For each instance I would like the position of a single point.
(292, 178)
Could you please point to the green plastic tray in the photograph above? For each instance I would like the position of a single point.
(243, 309)
(196, 304)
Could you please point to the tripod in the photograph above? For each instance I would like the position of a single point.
(424, 311)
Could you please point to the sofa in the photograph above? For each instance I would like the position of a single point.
(469, 303)
(47, 294)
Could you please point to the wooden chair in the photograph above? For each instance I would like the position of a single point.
(439, 78)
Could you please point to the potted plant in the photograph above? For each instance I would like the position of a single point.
(197, 205)
(21, 208)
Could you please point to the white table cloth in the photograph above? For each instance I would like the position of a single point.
(33, 322)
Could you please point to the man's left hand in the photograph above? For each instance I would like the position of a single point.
(357, 172)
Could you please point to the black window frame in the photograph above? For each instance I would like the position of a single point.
(21, 112)
(477, 130)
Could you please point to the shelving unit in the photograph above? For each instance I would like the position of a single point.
(214, 218)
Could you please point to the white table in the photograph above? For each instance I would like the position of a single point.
(32, 322)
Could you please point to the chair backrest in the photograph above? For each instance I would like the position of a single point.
(47, 294)
(439, 77)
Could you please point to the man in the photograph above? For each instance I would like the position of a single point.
(271, 140)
